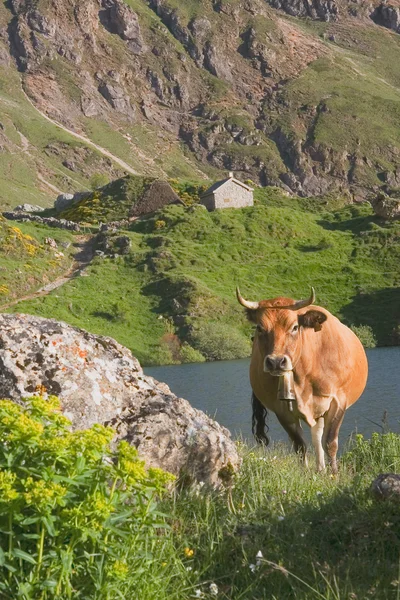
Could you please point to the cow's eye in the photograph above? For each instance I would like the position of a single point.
(259, 329)
(295, 328)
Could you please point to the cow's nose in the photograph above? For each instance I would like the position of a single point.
(270, 363)
(277, 363)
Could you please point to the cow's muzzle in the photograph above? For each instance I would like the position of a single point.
(277, 365)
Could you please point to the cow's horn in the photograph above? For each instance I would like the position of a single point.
(246, 303)
(297, 305)
(304, 303)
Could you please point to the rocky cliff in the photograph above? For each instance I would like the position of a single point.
(297, 93)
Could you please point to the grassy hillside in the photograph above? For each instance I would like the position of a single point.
(177, 283)
(27, 262)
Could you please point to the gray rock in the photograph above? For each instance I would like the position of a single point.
(29, 208)
(386, 207)
(124, 21)
(63, 201)
(324, 10)
(99, 381)
(24, 217)
(117, 98)
(387, 16)
(386, 486)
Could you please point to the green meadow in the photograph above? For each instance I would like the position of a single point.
(172, 298)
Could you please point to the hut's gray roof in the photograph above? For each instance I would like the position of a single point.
(219, 184)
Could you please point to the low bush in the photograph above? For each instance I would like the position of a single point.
(218, 341)
(190, 355)
(365, 334)
(77, 520)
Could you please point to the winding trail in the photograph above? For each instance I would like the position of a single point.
(82, 259)
(83, 138)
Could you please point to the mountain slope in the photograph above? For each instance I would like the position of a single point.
(305, 97)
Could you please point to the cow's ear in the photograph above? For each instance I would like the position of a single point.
(313, 318)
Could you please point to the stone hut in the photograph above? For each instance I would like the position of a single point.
(228, 193)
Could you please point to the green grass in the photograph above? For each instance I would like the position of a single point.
(320, 537)
(178, 282)
(275, 530)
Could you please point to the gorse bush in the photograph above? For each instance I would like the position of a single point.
(77, 520)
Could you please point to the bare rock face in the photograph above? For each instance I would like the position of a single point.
(117, 98)
(99, 381)
(386, 486)
(324, 10)
(387, 16)
(124, 22)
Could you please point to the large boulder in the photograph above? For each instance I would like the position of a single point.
(99, 381)
(386, 207)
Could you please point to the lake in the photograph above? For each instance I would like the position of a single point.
(222, 390)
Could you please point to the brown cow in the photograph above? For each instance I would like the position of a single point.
(329, 368)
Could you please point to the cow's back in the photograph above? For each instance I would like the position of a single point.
(334, 359)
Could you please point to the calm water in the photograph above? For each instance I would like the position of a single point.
(222, 390)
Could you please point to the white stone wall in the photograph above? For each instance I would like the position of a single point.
(232, 195)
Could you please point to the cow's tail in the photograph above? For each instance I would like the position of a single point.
(259, 425)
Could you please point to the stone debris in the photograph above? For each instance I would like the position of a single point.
(29, 208)
(99, 381)
(23, 217)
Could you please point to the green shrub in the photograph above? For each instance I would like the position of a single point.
(189, 354)
(98, 180)
(217, 341)
(365, 334)
(77, 520)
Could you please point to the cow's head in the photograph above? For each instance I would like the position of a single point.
(279, 327)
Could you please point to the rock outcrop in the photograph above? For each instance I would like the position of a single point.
(99, 381)
(124, 21)
(388, 16)
(324, 10)
(386, 207)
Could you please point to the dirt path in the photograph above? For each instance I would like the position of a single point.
(83, 257)
(83, 138)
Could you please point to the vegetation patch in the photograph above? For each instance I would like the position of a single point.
(26, 261)
(81, 521)
(124, 198)
(77, 518)
(176, 285)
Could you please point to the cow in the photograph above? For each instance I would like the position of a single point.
(324, 358)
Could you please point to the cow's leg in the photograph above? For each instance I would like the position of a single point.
(333, 420)
(316, 435)
(295, 433)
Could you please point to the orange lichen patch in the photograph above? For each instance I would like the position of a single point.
(41, 389)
